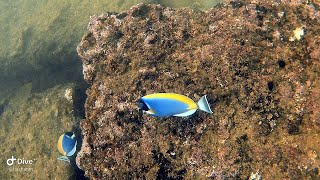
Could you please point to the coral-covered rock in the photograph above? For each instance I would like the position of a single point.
(262, 86)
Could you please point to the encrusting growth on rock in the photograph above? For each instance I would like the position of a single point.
(265, 120)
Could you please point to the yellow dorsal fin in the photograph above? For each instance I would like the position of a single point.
(178, 97)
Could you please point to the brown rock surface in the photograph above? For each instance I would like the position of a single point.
(263, 87)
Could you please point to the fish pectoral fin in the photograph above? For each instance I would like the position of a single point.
(188, 113)
(63, 158)
(73, 150)
(150, 111)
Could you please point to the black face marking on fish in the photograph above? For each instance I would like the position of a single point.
(142, 105)
(69, 134)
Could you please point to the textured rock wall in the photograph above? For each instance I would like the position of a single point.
(259, 71)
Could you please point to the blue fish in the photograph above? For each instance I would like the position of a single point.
(171, 104)
(67, 145)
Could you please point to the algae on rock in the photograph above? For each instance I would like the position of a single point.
(31, 124)
(264, 119)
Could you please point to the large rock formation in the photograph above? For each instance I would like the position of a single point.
(258, 64)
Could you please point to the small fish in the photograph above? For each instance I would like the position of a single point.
(67, 144)
(171, 104)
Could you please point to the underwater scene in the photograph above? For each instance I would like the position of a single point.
(160, 89)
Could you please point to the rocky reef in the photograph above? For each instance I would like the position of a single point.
(259, 65)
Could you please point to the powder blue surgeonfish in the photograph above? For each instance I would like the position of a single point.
(67, 145)
(171, 104)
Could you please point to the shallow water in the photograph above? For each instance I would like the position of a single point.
(38, 64)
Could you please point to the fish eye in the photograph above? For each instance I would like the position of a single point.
(142, 105)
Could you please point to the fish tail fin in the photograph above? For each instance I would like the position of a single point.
(203, 104)
(63, 158)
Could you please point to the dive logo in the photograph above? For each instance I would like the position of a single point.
(11, 161)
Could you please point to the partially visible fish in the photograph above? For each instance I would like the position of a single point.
(67, 146)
